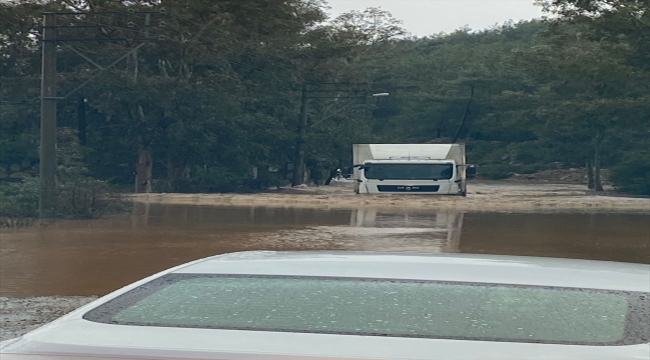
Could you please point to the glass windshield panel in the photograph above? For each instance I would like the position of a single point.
(377, 307)
(409, 171)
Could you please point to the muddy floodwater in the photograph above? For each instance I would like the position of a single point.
(98, 256)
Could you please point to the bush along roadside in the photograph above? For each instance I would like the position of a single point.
(19, 203)
(78, 198)
(79, 195)
(632, 175)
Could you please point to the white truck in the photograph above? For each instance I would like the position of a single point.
(410, 169)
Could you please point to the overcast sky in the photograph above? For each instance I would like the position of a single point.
(426, 17)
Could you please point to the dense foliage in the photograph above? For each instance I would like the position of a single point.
(79, 195)
(214, 105)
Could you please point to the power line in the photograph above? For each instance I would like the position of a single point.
(49, 98)
(230, 60)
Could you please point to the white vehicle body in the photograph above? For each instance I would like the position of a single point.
(409, 169)
(73, 336)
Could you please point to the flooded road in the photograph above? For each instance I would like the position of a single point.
(97, 256)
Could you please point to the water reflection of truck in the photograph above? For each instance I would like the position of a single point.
(437, 231)
(411, 168)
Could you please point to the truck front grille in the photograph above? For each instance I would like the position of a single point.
(406, 188)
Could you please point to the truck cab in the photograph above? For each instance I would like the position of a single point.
(409, 176)
(391, 169)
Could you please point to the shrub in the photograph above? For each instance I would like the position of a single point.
(19, 200)
(19, 149)
(632, 174)
(78, 194)
(529, 169)
(85, 197)
(81, 197)
(496, 171)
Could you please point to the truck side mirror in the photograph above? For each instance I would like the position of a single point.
(471, 171)
(348, 171)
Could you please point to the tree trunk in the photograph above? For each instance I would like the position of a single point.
(463, 122)
(298, 176)
(590, 175)
(81, 121)
(598, 186)
(175, 173)
(145, 160)
(143, 172)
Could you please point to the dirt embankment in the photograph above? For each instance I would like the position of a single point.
(484, 196)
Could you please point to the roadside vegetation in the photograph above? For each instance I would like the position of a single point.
(214, 106)
(80, 196)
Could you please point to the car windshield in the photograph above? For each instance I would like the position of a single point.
(381, 307)
(408, 171)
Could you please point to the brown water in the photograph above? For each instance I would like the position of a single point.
(98, 256)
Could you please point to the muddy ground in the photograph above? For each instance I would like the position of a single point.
(20, 315)
(482, 196)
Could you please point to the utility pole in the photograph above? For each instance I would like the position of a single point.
(299, 159)
(50, 38)
(47, 165)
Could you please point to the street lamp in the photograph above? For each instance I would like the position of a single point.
(380, 95)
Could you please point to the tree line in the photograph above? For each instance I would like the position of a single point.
(210, 102)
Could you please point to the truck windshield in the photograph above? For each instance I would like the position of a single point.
(403, 171)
